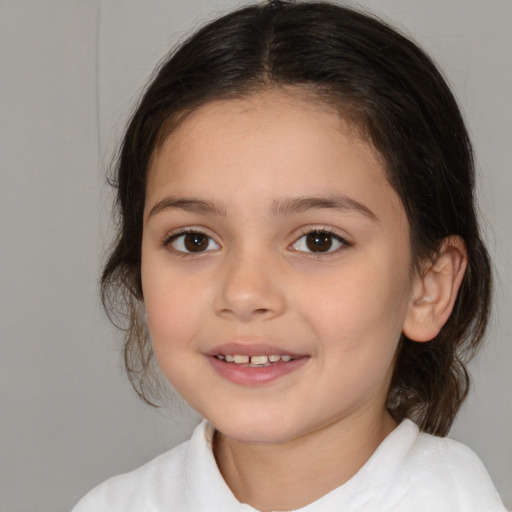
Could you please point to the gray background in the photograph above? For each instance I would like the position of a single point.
(70, 72)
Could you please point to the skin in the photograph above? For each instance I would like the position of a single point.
(257, 282)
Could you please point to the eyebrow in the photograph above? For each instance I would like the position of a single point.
(280, 207)
(191, 204)
(336, 202)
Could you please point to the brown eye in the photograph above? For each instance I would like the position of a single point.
(195, 242)
(319, 242)
(192, 242)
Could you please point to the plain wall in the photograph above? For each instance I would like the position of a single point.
(70, 73)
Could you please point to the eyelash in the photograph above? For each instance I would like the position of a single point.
(167, 243)
(320, 231)
(344, 244)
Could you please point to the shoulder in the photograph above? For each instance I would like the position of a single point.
(452, 472)
(448, 458)
(185, 479)
(147, 488)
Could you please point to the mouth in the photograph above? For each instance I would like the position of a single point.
(254, 364)
(256, 361)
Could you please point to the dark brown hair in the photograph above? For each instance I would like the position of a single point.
(389, 89)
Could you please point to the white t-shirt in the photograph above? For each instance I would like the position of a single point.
(409, 472)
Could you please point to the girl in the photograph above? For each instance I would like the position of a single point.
(298, 249)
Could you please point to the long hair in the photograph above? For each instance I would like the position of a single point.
(386, 86)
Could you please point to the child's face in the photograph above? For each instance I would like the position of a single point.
(252, 178)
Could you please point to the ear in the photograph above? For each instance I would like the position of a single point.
(435, 289)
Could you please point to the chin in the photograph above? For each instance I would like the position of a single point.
(255, 430)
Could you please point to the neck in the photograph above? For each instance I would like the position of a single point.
(290, 475)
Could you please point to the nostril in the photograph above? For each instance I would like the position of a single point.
(248, 299)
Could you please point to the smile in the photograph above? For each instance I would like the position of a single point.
(255, 366)
(256, 361)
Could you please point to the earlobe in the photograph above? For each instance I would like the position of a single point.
(435, 290)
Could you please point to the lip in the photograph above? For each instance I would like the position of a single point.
(251, 349)
(251, 376)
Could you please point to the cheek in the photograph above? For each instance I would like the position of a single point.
(359, 325)
(172, 304)
(173, 318)
(360, 309)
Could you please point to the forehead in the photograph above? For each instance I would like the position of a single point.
(273, 143)
(290, 108)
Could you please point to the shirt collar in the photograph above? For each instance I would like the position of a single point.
(207, 490)
(205, 486)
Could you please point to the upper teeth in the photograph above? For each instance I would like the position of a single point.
(241, 359)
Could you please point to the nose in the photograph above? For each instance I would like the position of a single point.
(249, 289)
